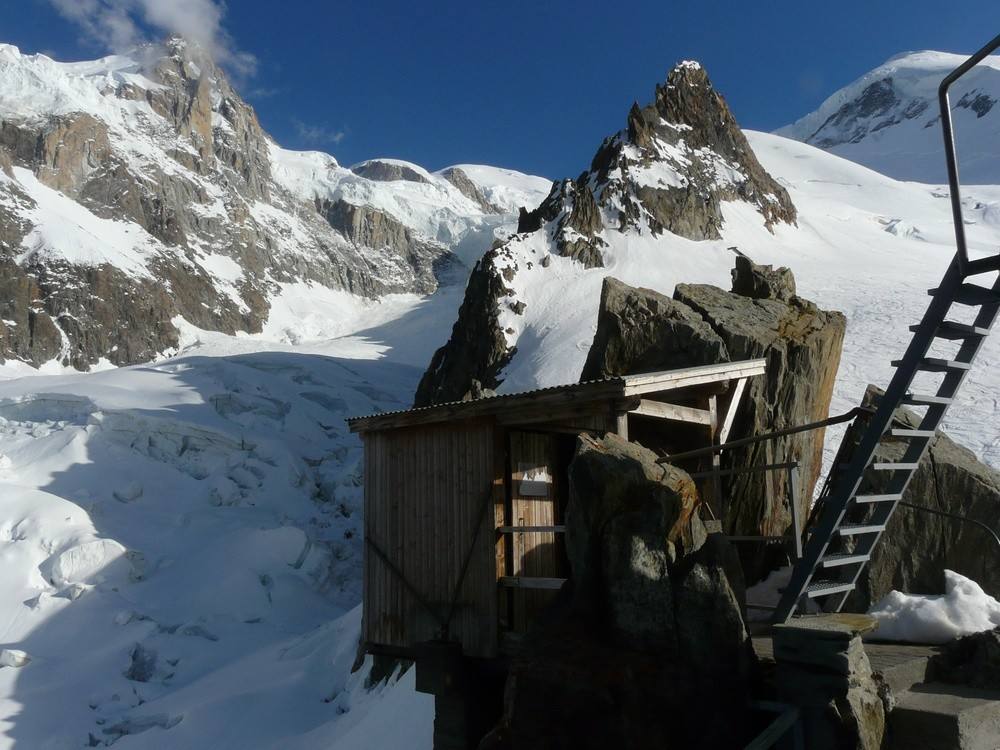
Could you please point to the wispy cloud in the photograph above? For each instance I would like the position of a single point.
(118, 25)
(262, 92)
(318, 134)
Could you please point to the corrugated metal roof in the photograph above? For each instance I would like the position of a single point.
(621, 380)
(622, 386)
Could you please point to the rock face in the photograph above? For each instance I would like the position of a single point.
(973, 660)
(469, 189)
(917, 546)
(668, 172)
(191, 210)
(639, 331)
(477, 350)
(387, 171)
(822, 668)
(649, 648)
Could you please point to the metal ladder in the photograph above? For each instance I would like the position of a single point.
(850, 524)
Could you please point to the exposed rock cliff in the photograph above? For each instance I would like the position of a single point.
(648, 649)
(918, 546)
(140, 189)
(667, 175)
(639, 330)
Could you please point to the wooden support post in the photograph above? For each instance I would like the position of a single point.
(621, 424)
(793, 501)
(713, 411)
(731, 408)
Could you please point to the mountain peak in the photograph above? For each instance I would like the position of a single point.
(671, 169)
(888, 119)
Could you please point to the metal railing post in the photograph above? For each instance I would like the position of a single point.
(793, 502)
(950, 154)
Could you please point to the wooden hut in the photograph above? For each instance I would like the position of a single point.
(464, 501)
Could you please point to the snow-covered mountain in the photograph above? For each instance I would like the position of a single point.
(888, 119)
(180, 540)
(147, 177)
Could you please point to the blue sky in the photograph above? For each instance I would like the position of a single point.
(530, 85)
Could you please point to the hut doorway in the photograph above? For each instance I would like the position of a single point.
(533, 529)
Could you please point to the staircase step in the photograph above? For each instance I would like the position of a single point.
(895, 467)
(825, 588)
(855, 529)
(908, 433)
(866, 499)
(953, 330)
(982, 265)
(937, 364)
(834, 561)
(920, 399)
(973, 295)
(937, 716)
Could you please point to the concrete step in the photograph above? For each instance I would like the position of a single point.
(937, 716)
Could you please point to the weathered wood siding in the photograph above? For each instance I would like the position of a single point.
(426, 490)
(534, 475)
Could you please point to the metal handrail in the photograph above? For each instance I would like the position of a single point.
(712, 449)
(962, 254)
(792, 468)
(955, 516)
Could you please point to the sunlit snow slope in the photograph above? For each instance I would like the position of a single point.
(865, 244)
(889, 119)
(180, 541)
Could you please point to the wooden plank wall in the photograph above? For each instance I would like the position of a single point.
(426, 489)
(535, 554)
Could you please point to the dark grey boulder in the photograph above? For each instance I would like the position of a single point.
(647, 647)
(918, 546)
(639, 330)
(762, 282)
(477, 350)
(973, 660)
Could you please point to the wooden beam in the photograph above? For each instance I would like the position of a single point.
(673, 412)
(672, 379)
(621, 424)
(531, 529)
(521, 582)
(731, 409)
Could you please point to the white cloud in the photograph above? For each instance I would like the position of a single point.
(318, 134)
(119, 25)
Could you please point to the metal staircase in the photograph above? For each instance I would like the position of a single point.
(850, 524)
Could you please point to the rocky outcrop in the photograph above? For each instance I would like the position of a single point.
(170, 147)
(6, 166)
(648, 649)
(823, 670)
(425, 262)
(711, 163)
(918, 546)
(671, 169)
(387, 171)
(469, 189)
(762, 282)
(639, 331)
(477, 350)
(801, 345)
(973, 660)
